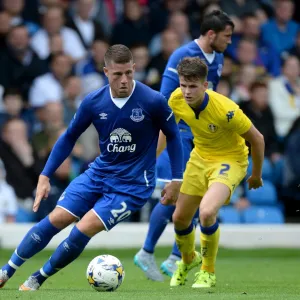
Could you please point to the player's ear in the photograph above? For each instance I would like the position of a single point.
(211, 34)
(205, 84)
(105, 70)
(133, 67)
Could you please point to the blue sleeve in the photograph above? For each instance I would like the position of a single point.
(64, 145)
(170, 129)
(170, 81)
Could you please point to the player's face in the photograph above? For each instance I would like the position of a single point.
(193, 91)
(220, 41)
(120, 78)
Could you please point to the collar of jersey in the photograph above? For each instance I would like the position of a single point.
(204, 102)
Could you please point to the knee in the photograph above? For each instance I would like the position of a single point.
(60, 218)
(180, 222)
(90, 224)
(207, 215)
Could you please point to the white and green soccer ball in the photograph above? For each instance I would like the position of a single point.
(105, 273)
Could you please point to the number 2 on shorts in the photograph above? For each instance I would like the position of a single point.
(225, 168)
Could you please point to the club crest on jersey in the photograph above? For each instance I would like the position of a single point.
(137, 115)
(220, 68)
(212, 127)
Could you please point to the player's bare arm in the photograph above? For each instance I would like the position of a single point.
(256, 140)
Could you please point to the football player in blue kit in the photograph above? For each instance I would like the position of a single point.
(118, 182)
(215, 35)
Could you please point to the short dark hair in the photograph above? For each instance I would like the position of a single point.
(192, 68)
(11, 91)
(119, 54)
(217, 21)
(257, 84)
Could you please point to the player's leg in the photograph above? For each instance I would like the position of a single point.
(78, 198)
(107, 212)
(145, 259)
(36, 240)
(213, 200)
(222, 182)
(186, 207)
(169, 266)
(160, 216)
(67, 251)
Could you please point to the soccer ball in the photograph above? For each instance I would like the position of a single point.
(105, 273)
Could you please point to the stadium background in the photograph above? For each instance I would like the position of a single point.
(51, 56)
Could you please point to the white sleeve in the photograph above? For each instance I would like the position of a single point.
(40, 44)
(11, 203)
(73, 45)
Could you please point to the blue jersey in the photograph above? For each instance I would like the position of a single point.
(127, 139)
(170, 81)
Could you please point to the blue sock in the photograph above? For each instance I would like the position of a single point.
(64, 254)
(34, 241)
(159, 219)
(175, 250)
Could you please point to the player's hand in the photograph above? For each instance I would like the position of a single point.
(42, 191)
(254, 182)
(170, 193)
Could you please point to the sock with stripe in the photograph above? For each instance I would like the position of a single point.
(65, 253)
(185, 240)
(34, 241)
(209, 238)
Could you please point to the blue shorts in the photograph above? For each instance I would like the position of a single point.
(84, 194)
(163, 168)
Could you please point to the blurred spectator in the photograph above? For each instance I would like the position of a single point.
(236, 9)
(291, 174)
(227, 67)
(265, 56)
(49, 87)
(169, 43)
(53, 23)
(43, 140)
(8, 199)
(141, 59)
(4, 29)
(224, 87)
(247, 53)
(15, 9)
(52, 125)
(160, 11)
(178, 22)
(14, 108)
(259, 112)
(296, 49)
(284, 93)
(59, 181)
(90, 69)
(87, 28)
(72, 98)
(280, 32)
(133, 29)
(245, 76)
(20, 161)
(19, 64)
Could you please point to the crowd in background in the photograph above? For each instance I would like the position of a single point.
(51, 57)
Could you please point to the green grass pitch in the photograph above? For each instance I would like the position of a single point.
(241, 274)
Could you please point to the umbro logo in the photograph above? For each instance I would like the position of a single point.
(103, 116)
